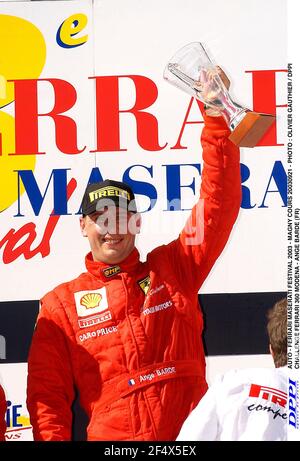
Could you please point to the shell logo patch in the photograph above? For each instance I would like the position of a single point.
(90, 302)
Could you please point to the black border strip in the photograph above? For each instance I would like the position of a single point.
(235, 323)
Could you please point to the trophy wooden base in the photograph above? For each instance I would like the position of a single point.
(251, 129)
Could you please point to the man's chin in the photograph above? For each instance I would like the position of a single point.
(113, 254)
(110, 256)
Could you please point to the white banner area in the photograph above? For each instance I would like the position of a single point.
(82, 98)
(100, 66)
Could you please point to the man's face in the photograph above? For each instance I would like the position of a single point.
(111, 232)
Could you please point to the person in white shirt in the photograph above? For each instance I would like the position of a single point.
(249, 404)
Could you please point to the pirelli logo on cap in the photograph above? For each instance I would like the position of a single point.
(111, 271)
(145, 284)
(109, 191)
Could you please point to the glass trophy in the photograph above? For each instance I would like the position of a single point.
(191, 70)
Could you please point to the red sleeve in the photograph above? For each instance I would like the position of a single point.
(2, 415)
(50, 389)
(208, 228)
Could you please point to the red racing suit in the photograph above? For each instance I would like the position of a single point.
(128, 337)
(2, 415)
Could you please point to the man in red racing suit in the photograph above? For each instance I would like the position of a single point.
(127, 334)
(2, 415)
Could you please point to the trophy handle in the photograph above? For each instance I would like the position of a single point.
(192, 70)
(173, 67)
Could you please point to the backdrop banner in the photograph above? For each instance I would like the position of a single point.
(82, 98)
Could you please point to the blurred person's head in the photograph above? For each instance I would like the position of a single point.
(277, 331)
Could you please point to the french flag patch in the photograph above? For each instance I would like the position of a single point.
(131, 382)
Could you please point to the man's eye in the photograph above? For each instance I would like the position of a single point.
(102, 220)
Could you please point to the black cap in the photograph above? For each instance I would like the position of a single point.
(106, 193)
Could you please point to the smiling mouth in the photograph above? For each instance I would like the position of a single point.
(112, 242)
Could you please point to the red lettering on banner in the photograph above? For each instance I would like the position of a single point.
(12, 252)
(26, 116)
(108, 113)
(186, 122)
(264, 100)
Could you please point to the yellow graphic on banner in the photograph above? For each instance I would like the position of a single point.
(9, 163)
(2, 87)
(23, 55)
(22, 51)
(24, 421)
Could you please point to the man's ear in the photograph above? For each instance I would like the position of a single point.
(134, 224)
(138, 222)
(82, 222)
(271, 350)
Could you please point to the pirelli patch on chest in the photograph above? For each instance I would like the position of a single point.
(111, 271)
(144, 284)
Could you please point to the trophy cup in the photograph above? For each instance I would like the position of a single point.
(191, 70)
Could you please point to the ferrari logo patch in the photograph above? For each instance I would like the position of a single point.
(145, 284)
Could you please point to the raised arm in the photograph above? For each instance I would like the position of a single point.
(50, 390)
(204, 236)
